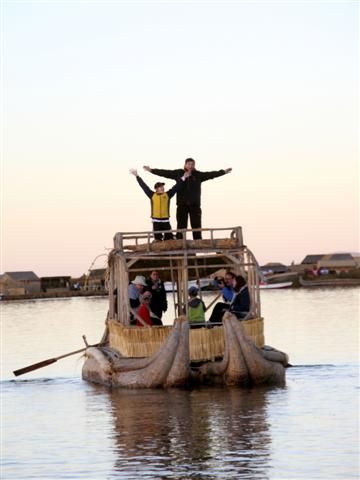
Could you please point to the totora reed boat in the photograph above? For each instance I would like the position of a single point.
(229, 353)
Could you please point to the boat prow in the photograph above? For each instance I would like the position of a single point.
(168, 367)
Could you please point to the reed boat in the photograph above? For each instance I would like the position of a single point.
(329, 282)
(229, 353)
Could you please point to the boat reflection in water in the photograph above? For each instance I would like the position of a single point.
(223, 432)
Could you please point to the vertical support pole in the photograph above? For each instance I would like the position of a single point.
(239, 236)
(111, 287)
(179, 287)
(186, 283)
(198, 277)
(122, 283)
(173, 286)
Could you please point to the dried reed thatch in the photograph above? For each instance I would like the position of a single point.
(205, 343)
(179, 245)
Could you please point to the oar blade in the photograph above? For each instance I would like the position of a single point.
(35, 366)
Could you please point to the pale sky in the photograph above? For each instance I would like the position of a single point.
(91, 89)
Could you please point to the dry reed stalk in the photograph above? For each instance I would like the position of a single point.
(179, 245)
(205, 343)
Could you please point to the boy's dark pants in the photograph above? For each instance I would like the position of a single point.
(159, 226)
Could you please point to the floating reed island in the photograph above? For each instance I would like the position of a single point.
(231, 352)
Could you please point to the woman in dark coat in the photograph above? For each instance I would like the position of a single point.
(239, 305)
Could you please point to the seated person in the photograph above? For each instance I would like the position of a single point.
(158, 301)
(145, 313)
(135, 289)
(239, 305)
(196, 307)
(226, 286)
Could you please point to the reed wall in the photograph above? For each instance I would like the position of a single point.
(205, 343)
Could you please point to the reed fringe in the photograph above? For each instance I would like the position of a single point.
(205, 343)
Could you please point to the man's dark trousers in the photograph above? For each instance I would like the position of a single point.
(182, 213)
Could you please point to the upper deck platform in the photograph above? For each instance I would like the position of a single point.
(132, 244)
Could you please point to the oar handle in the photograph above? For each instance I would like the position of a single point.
(35, 366)
(213, 301)
(44, 363)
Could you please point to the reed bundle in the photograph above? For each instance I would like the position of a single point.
(205, 343)
(179, 244)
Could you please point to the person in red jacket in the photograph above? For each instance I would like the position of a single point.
(188, 199)
(145, 313)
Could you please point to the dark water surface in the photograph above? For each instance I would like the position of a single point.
(56, 426)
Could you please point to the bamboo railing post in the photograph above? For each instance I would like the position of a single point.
(198, 277)
(111, 288)
(186, 283)
(122, 289)
(173, 284)
(179, 286)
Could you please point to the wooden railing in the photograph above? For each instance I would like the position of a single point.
(210, 235)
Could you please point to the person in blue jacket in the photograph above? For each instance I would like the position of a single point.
(239, 305)
(226, 286)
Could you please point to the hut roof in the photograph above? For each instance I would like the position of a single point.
(341, 257)
(312, 259)
(337, 263)
(20, 276)
(97, 272)
(275, 267)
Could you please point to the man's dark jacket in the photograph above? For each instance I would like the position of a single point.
(158, 302)
(190, 194)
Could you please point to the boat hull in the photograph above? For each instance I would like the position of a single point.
(241, 363)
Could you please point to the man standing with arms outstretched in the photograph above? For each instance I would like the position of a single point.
(188, 199)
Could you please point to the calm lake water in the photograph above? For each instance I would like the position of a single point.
(57, 426)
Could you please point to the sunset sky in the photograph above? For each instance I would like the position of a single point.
(92, 89)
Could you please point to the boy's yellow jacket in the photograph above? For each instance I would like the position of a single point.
(160, 202)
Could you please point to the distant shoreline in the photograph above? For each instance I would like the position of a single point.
(301, 283)
(62, 294)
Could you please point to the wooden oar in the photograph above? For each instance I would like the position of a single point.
(49, 361)
(213, 301)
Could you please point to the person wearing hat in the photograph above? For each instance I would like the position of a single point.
(196, 307)
(188, 199)
(135, 289)
(160, 204)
